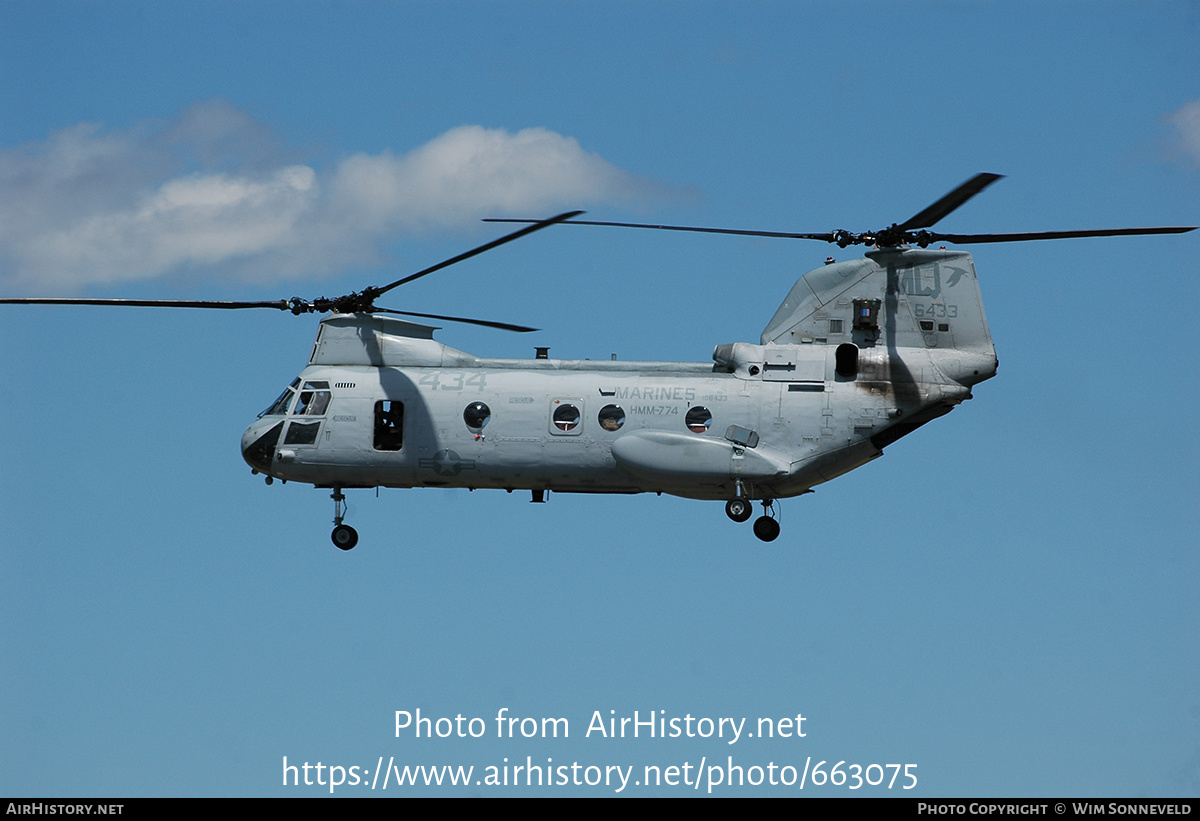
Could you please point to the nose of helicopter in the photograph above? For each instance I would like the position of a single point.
(258, 444)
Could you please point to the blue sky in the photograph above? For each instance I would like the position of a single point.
(1006, 599)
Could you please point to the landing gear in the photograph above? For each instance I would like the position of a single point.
(739, 509)
(344, 537)
(765, 526)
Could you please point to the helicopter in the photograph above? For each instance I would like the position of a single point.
(859, 354)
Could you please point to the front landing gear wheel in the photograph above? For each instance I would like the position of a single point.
(766, 528)
(345, 537)
(739, 510)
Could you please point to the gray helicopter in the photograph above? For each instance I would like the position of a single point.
(859, 354)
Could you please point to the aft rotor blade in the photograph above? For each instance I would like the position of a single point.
(1035, 235)
(504, 326)
(949, 202)
(825, 237)
(537, 225)
(281, 304)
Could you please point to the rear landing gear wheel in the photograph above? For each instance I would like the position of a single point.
(345, 537)
(766, 528)
(739, 510)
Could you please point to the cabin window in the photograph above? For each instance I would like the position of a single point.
(314, 399)
(565, 417)
(611, 417)
(698, 419)
(389, 425)
(477, 415)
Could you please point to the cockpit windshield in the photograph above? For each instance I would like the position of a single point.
(279, 406)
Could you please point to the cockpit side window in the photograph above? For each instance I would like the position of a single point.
(389, 425)
(314, 399)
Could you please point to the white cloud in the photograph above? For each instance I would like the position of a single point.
(209, 194)
(1187, 130)
(471, 171)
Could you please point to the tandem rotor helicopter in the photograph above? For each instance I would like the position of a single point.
(859, 354)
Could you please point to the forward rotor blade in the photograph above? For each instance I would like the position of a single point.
(825, 237)
(964, 239)
(949, 202)
(504, 326)
(537, 225)
(281, 305)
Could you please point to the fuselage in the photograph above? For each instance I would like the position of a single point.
(384, 404)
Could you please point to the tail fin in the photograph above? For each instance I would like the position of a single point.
(898, 297)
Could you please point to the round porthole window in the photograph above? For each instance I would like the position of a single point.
(611, 417)
(477, 415)
(698, 419)
(566, 417)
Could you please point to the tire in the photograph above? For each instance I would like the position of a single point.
(739, 510)
(344, 537)
(766, 528)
